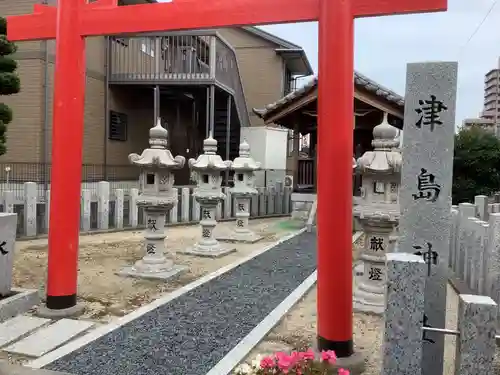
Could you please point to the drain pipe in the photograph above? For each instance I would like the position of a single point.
(107, 52)
(45, 136)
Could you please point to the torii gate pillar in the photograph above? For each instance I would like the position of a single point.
(73, 20)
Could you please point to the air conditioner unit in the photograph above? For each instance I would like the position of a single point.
(289, 180)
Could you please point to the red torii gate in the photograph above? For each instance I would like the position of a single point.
(73, 20)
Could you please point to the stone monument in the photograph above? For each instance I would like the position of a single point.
(378, 214)
(426, 181)
(244, 168)
(207, 172)
(8, 226)
(157, 197)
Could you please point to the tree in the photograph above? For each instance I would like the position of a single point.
(9, 81)
(476, 164)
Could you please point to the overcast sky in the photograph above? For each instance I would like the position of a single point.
(385, 44)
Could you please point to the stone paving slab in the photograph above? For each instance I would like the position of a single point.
(192, 333)
(8, 369)
(46, 339)
(19, 326)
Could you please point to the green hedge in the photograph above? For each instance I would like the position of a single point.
(9, 81)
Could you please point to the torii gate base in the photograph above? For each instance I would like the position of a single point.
(73, 20)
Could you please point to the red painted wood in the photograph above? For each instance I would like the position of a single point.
(67, 144)
(334, 178)
(373, 8)
(167, 16)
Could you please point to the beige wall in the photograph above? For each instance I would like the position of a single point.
(23, 133)
(139, 110)
(262, 70)
(15, 7)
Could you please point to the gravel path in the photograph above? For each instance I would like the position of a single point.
(189, 335)
(107, 295)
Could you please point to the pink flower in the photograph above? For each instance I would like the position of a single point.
(308, 355)
(285, 362)
(329, 355)
(343, 371)
(267, 362)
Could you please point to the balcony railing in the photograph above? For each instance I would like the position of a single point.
(154, 58)
(178, 59)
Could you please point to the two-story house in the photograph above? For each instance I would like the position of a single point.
(197, 82)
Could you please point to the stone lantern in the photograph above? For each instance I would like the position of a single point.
(378, 214)
(244, 168)
(157, 197)
(207, 172)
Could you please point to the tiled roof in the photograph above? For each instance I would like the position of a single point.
(360, 81)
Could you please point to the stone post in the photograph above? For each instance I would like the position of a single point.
(157, 196)
(8, 201)
(133, 211)
(475, 349)
(378, 214)
(103, 205)
(30, 202)
(244, 168)
(481, 203)
(85, 200)
(119, 202)
(8, 226)
(47, 211)
(207, 170)
(405, 288)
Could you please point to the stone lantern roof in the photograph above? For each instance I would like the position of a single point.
(386, 157)
(157, 155)
(244, 162)
(209, 160)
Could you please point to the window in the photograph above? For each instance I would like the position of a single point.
(378, 187)
(150, 179)
(148, 47)
(117, 126)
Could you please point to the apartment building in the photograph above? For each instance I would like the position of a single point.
(486, 124)
(195, 81)
(489, 118)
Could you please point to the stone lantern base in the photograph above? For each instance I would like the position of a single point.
(164, 275)
(369, 282)
(369, 302)
(216, 251)
(155, 265)
(208, 246)
(241, 231)
(240, 237)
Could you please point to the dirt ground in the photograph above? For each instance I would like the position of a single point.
(297, 331)
(106, 295)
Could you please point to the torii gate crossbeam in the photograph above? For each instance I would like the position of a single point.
(73, 20)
